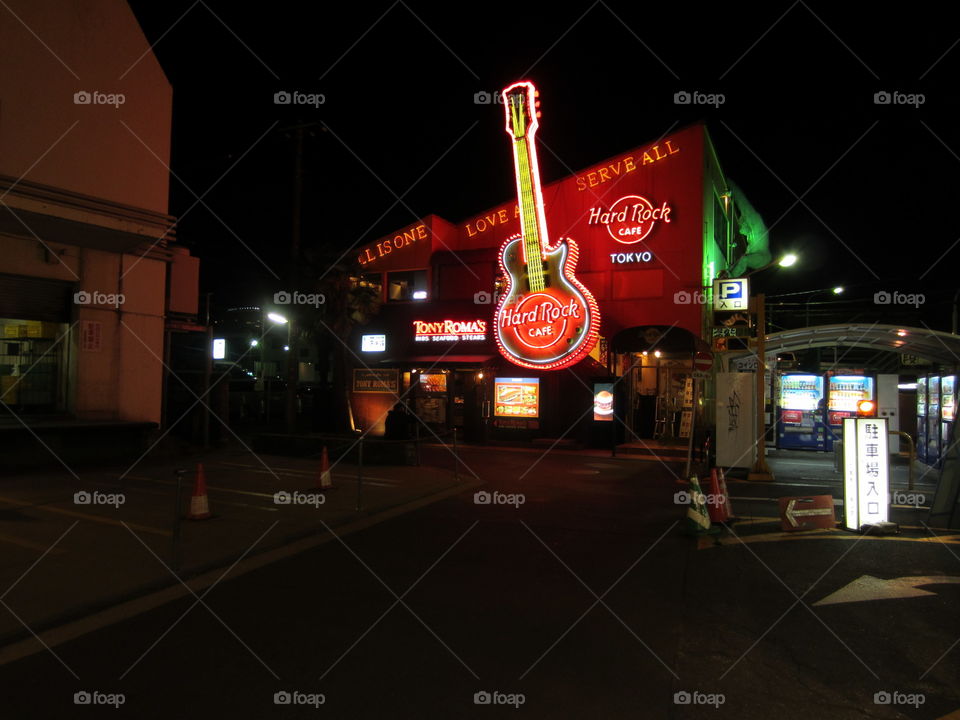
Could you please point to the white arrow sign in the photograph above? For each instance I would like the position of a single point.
(792, 514)
(868, 587)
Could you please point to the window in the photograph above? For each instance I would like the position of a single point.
(374, 281)
(407, 285)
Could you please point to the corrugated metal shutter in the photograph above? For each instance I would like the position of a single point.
(28, 298)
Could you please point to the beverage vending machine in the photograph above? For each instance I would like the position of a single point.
(933, 420)
(844, 392)
(948, 401)
(800, 413)
(922, 419)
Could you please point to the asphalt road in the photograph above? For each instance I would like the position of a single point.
(584, 601)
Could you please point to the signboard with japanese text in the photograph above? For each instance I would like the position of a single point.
(866, 472)
(731, 294)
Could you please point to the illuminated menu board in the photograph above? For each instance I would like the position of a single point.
(516, 397)
(433, 382)
(921, 397)
(801, 392)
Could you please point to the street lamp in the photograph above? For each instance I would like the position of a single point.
(788, 260)
(277, 319)
(760, 470)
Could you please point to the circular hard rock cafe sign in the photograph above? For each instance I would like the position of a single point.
(631, 218)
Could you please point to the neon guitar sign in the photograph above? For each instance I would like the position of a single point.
(546, 319)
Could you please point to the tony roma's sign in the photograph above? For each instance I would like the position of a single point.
(366, 380)
(449, 330)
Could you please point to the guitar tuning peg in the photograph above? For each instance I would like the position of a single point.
(536, 93)
(536, 103)
(538, 113)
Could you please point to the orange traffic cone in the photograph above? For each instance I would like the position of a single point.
(726, 495)
(324, 480)
(717, 505)
(199, 503)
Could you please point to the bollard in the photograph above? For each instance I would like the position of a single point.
(456, 458)
(359, 473)
(417, 442)
(175, 536)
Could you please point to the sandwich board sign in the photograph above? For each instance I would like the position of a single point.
(866, 472)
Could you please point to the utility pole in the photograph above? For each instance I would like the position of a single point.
(293, 354)
(760, 470)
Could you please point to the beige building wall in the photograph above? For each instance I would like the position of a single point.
(94, 46)
(113, 146)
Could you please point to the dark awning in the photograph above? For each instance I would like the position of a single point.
(440, 359)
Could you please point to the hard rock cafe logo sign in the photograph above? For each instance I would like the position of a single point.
(630, 219)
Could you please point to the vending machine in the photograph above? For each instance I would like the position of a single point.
(844, 392)
(922, 419)
(933, 420)
(800, 413)
(948, 401)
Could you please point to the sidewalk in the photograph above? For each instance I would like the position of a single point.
(103, 553)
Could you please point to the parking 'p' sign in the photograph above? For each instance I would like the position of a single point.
(731, 294)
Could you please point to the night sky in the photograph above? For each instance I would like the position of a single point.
(878, 183)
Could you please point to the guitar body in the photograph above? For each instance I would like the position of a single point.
(545, 328)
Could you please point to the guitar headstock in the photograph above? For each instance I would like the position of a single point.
(522, 108)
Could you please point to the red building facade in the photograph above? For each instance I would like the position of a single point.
(654, 226)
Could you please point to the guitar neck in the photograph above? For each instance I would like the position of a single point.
(528, 192)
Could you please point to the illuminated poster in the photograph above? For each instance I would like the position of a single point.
(947, 397)
(603, 402)
(546, 319)
(517, 397)
(433, 382)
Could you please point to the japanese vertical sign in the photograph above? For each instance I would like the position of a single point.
(866, 472)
